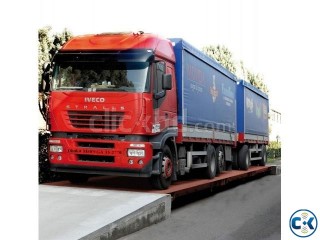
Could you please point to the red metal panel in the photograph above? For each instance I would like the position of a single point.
(179, 188)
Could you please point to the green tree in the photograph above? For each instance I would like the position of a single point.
(44, 46)
(59, 40)
(257, 81)
(222, 55)
(48, 45)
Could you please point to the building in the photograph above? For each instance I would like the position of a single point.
(274, 125)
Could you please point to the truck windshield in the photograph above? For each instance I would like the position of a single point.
(101, 76)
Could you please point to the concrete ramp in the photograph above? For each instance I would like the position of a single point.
(67, 213)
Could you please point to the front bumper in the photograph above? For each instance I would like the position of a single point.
(103, 157)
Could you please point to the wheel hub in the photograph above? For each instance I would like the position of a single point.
(221, 160)
(166, 167)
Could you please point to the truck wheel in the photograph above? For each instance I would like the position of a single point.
(211, 169)
(263, 160)
(221, 164)
(77, 178)
(163, 180)
(243, 158)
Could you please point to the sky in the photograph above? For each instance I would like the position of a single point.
(244, 26)
(278, 39)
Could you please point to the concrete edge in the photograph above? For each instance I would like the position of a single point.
(150, 214)
(275, 170)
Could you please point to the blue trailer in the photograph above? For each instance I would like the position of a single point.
(252, 125)
(252, 108)
(215, 107)
(206, 95)
(207, 119)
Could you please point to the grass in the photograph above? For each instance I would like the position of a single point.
(273, 160)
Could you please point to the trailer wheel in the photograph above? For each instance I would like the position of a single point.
(263, 160)
(243, 158)
(77, 178)
(211, 169)
(163, 180)
(221, 164)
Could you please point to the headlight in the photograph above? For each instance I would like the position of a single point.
(56, 148)
(135, 152)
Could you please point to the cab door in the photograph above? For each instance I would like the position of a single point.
(165, 108)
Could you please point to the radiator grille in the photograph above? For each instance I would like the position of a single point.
(92, 158)
(95, 119)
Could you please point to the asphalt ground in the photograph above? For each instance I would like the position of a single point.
(247, 210)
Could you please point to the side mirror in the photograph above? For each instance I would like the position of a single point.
(166, 82)
(46, 67)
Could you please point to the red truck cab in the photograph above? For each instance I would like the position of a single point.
(113, 107)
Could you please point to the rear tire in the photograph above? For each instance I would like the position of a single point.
(243, 158)
(211, 170)
(163, 180)
(263, 161)
(221, 164)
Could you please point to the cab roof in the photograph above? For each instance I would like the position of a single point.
(121, 41)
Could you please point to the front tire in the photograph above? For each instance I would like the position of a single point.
(163, 181)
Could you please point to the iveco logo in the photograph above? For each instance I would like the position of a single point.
(94, 100)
